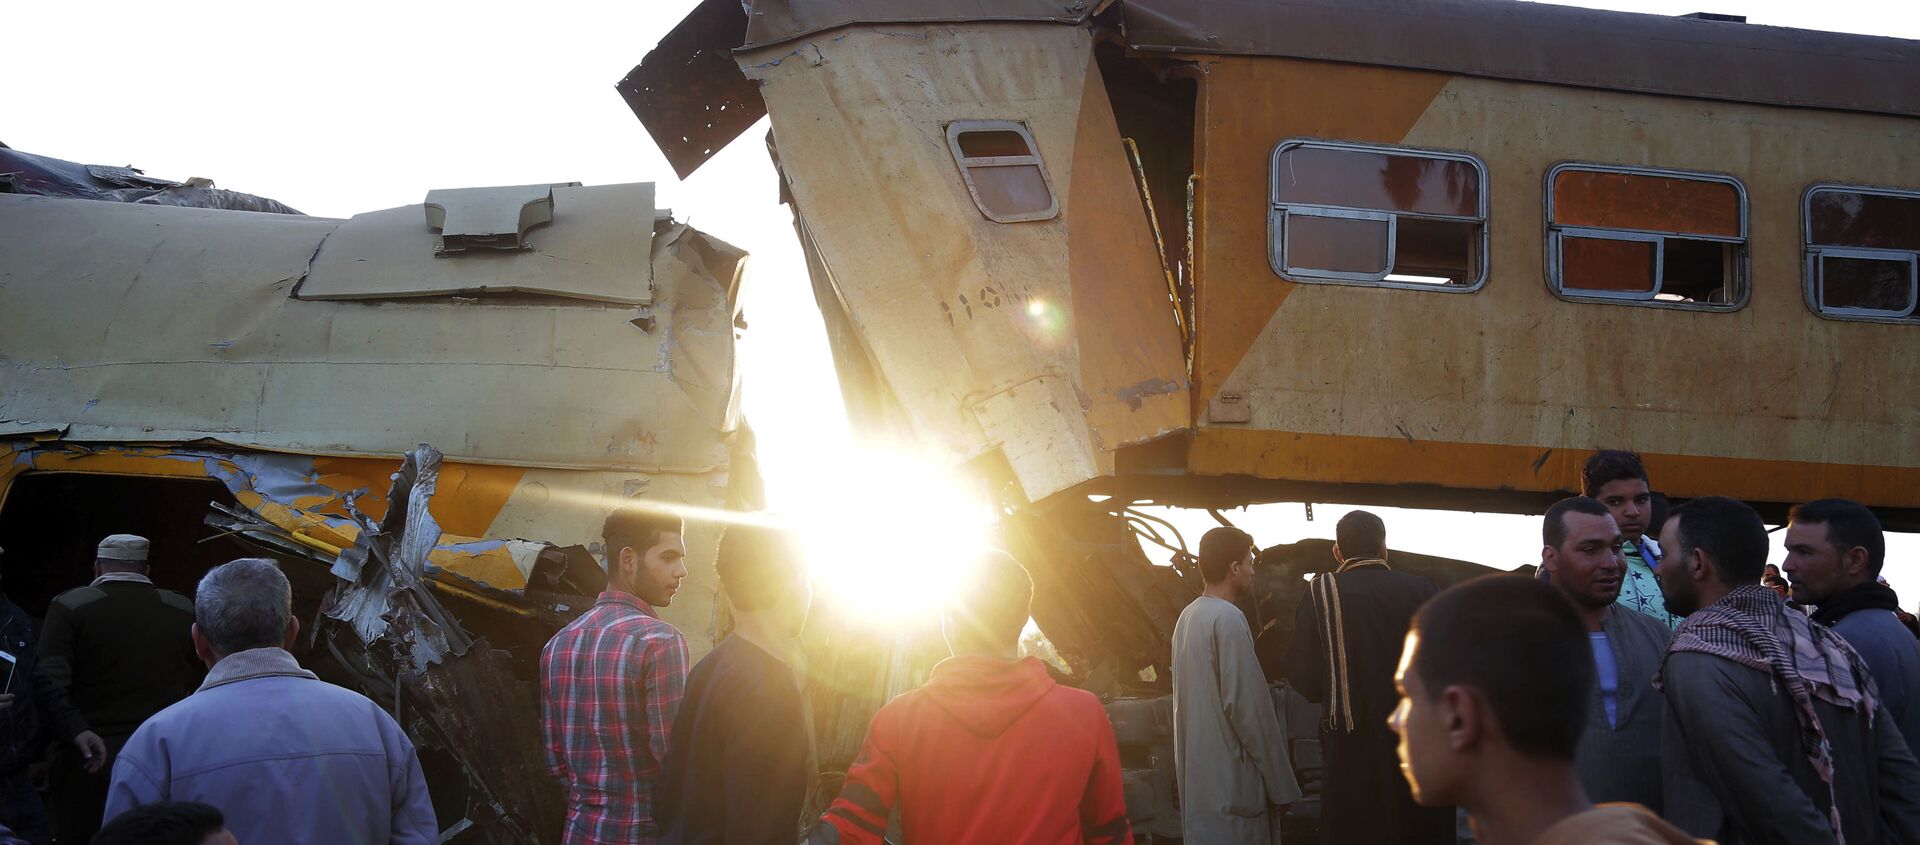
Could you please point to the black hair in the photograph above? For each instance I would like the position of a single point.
(1611, 465)
(1553, 529)
(1522, 645)
(162, 823)
(758, 564)
(1727, 529)
(997, 601)
(1220, 549)
(1849, 524)
(636, 527)
(1361, 534)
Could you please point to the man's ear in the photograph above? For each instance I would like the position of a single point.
(1547, 558)
(1337, 556)
(1465, 716)
(1854, 561)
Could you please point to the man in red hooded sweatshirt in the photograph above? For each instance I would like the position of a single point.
(991, 749)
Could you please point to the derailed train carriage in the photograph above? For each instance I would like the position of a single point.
(1209, 253)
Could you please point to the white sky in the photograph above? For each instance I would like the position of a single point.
(345, 107)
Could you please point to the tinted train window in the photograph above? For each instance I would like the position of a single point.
(1388, 216)
(1002, 168)
(1863, 246)
(1646, 237)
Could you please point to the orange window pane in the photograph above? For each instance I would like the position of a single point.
(1866, 283)
(1606, 200)
(1606, 265)
(1377, 181)
(1011, 191)
(993, 143)
(1336, 243)
(1877, 221)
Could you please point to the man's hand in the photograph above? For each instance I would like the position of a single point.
(6, 700)
(93, 748)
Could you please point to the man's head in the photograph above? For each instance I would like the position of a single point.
(1226, 557)
(1833, 545)
(240, 605)
(1360, 535)
(1713, 545)
(762, 572)
(1495, 670)
(1618, 480)
(987, 616)
(121, 553)
(167, 823)
(1582, 555)
(645, 555)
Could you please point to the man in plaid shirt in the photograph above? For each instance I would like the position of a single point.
(611, 681)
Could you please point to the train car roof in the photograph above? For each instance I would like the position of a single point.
(679, 89)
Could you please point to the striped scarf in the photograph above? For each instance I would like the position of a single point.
(1325, 593)
(1753, 626)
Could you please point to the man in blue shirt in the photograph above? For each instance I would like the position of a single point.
(1618, 758)
(1834, 553)
(1618, 480)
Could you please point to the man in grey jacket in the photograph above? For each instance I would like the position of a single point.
(1774, 731)
(1229, 751)
(1619, 753)
(287, 757)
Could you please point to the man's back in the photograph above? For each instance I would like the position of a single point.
(1736, 770)
(1893, 656)
(288, 758)
(610, 683)
(125, 648)
(989, 750)
(742, 752)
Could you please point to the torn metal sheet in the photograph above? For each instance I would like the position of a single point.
(24, 173)
(689, 93)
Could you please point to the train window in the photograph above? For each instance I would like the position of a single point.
(1001, 165)
(1388, 216)
(1863, 252)
(1646, 237)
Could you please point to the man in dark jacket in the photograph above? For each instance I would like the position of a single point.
(28, 701)
(1619, 752)
(1774, 732)
(1347, 639)
(991, 749)
(1834, 553)
(741, 758)
(122, 650)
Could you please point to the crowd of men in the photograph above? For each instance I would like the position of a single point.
(1651, 684)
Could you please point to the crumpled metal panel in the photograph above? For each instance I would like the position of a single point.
(688, 91)
(24, 173)
(1539, 42)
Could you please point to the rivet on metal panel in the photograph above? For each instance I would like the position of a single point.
(1229, 407)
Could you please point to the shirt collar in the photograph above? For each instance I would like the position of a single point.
(127, 577)
(254, 663)
(628, 599)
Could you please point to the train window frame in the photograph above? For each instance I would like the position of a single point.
(1555, 232)
(967, 163)
(1277, 213)
(1814, 268)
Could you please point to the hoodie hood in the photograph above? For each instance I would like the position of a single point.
(988, 694)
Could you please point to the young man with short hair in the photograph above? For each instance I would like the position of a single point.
(1618, 480)
(1494, 690)
(991, 749)
(1835, 550)
(1229, 752)
(1347, 636)
(611, 681)
(1774, 731)
(742, 756)
(1619, 753)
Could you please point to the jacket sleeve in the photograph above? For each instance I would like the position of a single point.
(413, 822)
(865, 806)
(56, 645)
(1732, 754)
(52, 701)
(766, 764)
(1249, 705)
(1103, 810)
(1899, 782)
(1306, 668)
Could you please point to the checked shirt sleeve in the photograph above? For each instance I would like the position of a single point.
(663, 680)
